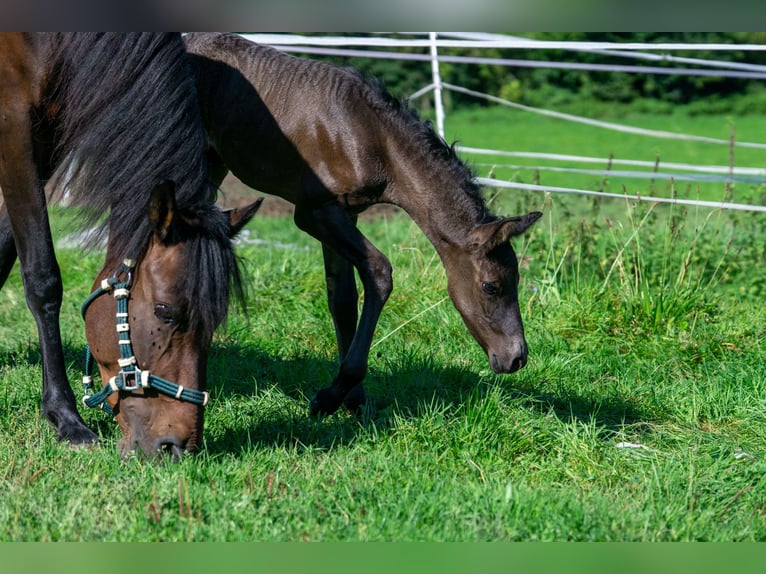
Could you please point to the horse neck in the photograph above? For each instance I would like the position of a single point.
(436, 198)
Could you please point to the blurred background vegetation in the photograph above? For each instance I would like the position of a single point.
(576, 89)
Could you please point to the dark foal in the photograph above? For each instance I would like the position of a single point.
(333, 144)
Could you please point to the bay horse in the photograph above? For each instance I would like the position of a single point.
(113, 119)
(333, 144)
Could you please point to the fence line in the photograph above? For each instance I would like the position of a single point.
(602, 124)
(623, 54)
(658, 175)
(756, 171)
(488, 182)
(758, 74)
(322, 45)
(509, 43)
(325, 44)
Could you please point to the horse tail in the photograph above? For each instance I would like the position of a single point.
(129, 121)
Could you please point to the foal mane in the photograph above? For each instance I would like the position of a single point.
(434, 146)
(129, 120)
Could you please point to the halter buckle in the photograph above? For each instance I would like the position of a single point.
(136, 374)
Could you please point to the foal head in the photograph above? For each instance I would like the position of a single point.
(482, 279)
(174, 299)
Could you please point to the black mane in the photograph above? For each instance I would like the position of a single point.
(130, 121)
(214, 271)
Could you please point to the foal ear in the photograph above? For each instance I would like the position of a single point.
(524, 222)
(162, 209)
(487, 236)
(240, 216)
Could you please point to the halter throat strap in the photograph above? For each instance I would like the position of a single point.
(130, 377)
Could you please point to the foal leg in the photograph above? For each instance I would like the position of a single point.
(7, 247)
(25, 201)
(330, 224)
(342, 300)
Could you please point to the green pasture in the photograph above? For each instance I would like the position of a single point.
(506, 129)
(640, 416)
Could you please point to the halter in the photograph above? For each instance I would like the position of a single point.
(130, 377)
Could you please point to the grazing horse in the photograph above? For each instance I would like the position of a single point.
(114, 120)
(334, 144)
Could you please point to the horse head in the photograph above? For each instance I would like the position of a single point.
(482, 280)
(151, 347)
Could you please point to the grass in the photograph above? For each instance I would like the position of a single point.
(639, 418)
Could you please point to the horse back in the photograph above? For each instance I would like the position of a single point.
(283, 124)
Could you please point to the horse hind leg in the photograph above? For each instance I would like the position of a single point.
(342, 301)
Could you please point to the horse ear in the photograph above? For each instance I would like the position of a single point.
(487, 236)
(524, 222)
(240, 216)
(162, 209)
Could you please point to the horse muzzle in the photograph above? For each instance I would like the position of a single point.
(510, 361)
(156, 449)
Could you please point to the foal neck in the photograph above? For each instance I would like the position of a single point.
(443, 202)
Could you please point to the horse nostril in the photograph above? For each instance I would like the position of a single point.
(503, 366)
(517, 363)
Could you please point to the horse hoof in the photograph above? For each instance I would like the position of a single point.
(355, 401)
(323, 403)
(314, 410)
(78, 437)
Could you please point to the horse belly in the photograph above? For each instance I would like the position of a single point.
(262, 170)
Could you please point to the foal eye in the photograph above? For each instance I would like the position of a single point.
(164, 313)
(490, 288)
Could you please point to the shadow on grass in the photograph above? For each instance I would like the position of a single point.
(609, 413)
(405, 389)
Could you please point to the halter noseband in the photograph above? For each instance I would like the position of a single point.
(130, 377)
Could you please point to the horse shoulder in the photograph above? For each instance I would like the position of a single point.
(19, 75)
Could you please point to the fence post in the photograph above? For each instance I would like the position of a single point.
(437, 85)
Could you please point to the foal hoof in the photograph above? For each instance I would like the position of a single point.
(355, 401)
(324, 403)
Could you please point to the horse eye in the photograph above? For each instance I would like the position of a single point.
(164, 313)
(490, 288)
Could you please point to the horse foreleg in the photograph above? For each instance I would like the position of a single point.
(334, 228)
(25, 202)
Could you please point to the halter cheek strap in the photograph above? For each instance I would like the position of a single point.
(130, 377)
